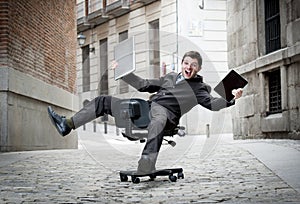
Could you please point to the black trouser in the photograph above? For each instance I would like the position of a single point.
(105, 104)
(94, 109)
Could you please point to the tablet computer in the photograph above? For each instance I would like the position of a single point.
(231, 81)
(125, 56)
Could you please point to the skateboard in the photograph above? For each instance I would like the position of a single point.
(163, 172)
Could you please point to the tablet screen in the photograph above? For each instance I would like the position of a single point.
(125, 57)
(231, 81)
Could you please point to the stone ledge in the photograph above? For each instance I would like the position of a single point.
(275, 123)
(22, 84)
(275, 57)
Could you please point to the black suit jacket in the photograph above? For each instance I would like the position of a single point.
(178, 98)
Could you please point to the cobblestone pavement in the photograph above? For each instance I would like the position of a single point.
(216, 171)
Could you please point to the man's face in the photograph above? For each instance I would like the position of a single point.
(189, 67)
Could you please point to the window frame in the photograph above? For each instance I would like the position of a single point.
(154, 49)
(272, 25)
(273, 79)
(103, 82)
(86, 78)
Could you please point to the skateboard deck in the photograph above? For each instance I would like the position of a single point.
(162, 172)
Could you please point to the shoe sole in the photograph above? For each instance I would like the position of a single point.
(52, 120)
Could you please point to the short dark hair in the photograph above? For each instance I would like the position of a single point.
(193, 55)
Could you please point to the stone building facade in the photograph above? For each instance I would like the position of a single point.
(264, 46)
(37, 69)
(163, 30)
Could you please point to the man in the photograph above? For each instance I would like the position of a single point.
(175, 94)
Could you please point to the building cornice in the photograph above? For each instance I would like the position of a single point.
(278, 58)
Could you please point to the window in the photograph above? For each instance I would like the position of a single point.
(86, 68)
(124, 88)
(274, 92)
(86, 6)
(123, 35)
(272, 25)
(154, 53)
(103, 83)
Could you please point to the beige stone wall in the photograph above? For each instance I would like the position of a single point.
(241, 32)
(246, 46)
(136, 22)
(24, 119)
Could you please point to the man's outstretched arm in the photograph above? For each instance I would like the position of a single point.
(143, 85)
(216, 103)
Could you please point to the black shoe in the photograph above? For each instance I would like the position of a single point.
(59, 122)
(146, 165)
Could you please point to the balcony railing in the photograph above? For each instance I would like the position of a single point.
(111, 1)
(97, 12)
(86, 8)
(95, 5)
(80, 10)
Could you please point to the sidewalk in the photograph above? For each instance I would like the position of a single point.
(281, 157)
(217, 170)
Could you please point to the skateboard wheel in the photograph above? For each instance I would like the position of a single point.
(123, 178)
(135, 179)
(173, 178)
(152, 177)
(180, 175)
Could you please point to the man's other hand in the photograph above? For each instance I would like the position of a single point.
(237, 93)
(114, 65)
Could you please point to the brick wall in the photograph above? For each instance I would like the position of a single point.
(38, 38)
(3, 32)
(37, 69)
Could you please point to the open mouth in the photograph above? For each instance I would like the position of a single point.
(188, 73)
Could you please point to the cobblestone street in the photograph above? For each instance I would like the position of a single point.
(217, 170)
